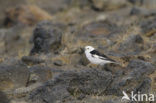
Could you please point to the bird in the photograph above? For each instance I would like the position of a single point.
(95, 57)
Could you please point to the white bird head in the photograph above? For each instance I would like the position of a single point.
(89, 48)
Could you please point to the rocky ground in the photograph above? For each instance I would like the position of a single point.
(42, 58)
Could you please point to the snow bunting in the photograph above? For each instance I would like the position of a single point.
(96, 57)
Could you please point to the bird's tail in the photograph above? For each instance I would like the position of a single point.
(114, 62)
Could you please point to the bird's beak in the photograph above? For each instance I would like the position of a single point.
(82, 49)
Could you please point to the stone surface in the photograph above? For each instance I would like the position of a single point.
(46, 37)
(94, 81)
(32, 60)
(148, 26)
(3, 98)
(140, 68)
(133, 79)
(39, 74)
(13, 76)
(72, 84)
(128, 44)
(145, 3)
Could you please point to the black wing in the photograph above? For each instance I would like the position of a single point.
(101, 56)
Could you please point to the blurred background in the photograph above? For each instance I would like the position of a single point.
(19, 17)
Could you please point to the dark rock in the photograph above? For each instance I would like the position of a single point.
(2, 40)
(144, 87)
(46, 37)
(3, 98)
(134, 79)
(148, 26)
(39, 74)
(72, 84)
(127, 83)
(139, 68)
(58, 63)
(135, 11)
(94, 82)
(140, 2)
(8, 38)
(32, 60)
(136, 39)
(77, 85)
(109, 101)
(12, 61)
(145, 3)
(102, 99)
(42, 73)
(128, 44)
(13, 76)
(15, 39)
(116, 69)
(138, 11)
